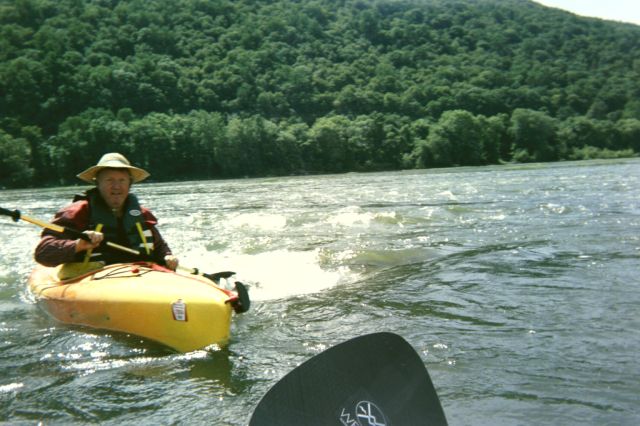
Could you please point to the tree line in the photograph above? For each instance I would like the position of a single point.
(199, 89)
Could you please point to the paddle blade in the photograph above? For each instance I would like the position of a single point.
(243, 303)
(376, 379)
(13, 214)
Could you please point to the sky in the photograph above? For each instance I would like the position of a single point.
(616, 10)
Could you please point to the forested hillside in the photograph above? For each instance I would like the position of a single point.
(194, 89)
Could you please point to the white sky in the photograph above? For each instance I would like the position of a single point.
(616, 10)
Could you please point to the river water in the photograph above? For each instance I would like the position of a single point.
(517, 285)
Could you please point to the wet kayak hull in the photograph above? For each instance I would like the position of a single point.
(184, 312)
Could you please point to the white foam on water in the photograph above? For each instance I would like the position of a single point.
(273, 274)
(447, 195)
(262, 221)
(351, 216)
(10, 387)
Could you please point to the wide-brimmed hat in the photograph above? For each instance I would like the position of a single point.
(113, 160)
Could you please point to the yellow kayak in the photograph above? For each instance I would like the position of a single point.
(184, 312)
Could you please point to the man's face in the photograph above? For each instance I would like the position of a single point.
(114, 185)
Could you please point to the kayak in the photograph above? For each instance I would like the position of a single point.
(183, 312)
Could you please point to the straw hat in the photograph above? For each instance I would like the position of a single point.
(113, 160)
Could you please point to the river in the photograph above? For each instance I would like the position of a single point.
(517, 285)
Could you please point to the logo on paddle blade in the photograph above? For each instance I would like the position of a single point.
(366, 414)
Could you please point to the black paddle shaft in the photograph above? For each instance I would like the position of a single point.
(376, 379)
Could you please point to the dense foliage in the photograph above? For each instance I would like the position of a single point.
(224, 88)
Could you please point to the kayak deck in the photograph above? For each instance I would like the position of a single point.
(184, 312)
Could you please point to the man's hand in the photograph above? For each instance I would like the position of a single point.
(95, 237)
(171, 262)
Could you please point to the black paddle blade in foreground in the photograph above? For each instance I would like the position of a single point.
(376, 379)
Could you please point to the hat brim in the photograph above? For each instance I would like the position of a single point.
(137, 174)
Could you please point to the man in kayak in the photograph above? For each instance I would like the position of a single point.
(108, 212)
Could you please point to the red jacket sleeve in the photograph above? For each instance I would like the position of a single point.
(54, 248)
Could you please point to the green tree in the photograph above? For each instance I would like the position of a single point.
(15, 160)
(248, 147)
(494, 131)
(328, 149)
(22, 82)
(534, 136)
(629, 131)
(456, 139)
